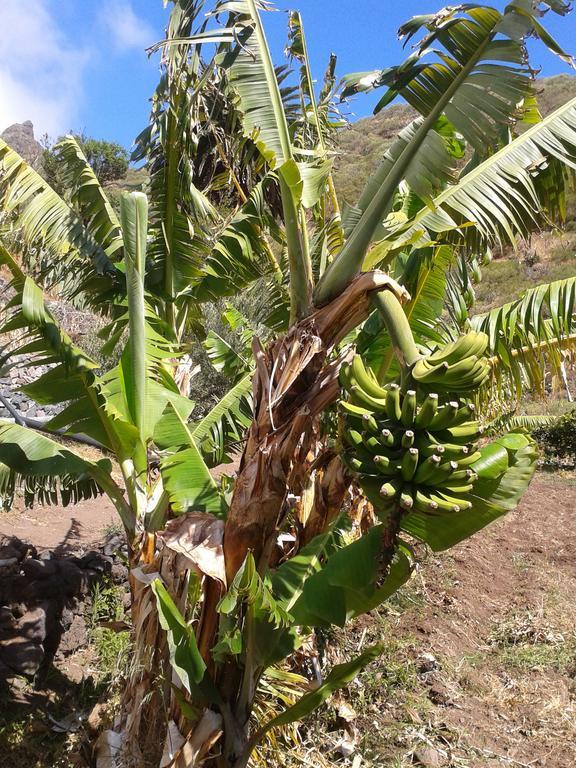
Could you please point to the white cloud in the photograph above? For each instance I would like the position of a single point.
(40, 69)
(127, 30)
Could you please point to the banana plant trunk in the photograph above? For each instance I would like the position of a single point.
(148, 703)
(296, 379)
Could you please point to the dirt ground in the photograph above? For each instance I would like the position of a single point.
(507, 631)
(60, 528)
(480, 666)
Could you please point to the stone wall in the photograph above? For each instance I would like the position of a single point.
(45, 602)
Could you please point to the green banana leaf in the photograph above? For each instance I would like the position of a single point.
(339, 676)
(45, 470)
(184, 654)
(186, 477)
(345, 585)
(505, 471)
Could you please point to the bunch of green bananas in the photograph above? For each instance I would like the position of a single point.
(413, 449)
(456, 367)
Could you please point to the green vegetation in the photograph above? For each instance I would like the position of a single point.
(108, 160)
(558, 441)
(110, 643)
(363, 142)
(559, 657)
(366, 375)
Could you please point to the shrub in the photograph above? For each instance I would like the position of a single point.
(558, 441)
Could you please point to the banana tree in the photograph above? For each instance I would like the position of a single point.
(217, 590)
(128, 409)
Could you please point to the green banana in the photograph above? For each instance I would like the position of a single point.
(354, 410)
(390, 490)
(423, 503)
(356, 442)
(470, 459)
(409, 464)
(425, 450)
(362, 422)
(393, 407)
(406, 500)
(448, 467)
(443, 473)
(456, 489)
(408, 439)
(387, 437)
(462, 368)
(427, 469)
(463, 474)
(464, 504)
(484, 373)
(362, 467)
(427, 447)
(446, 504)
(454, 437)
(463, 380)
(430, 443)
(471, 343)
(408, 410)
(465, 414)
(458, 452)
(427, 411)
(344, 377)
(432, 502)
(445, 416)
(424, 372)
(360, 452)
(360, 397)
(384, 466)
(370, 423)
(372, 443)
(353, 437)
(471, 429)
(365, 379)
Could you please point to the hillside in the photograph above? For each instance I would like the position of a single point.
(364, 141)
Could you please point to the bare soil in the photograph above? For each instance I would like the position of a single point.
(480, 669)
(60, 528)
(506, 630)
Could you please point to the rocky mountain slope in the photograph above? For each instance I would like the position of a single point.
(20, 137)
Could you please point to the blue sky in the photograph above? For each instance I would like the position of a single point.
(70, 65)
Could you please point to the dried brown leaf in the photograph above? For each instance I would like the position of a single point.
(199, 538)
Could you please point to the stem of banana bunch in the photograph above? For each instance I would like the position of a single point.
(389, 541)
(398, 327)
